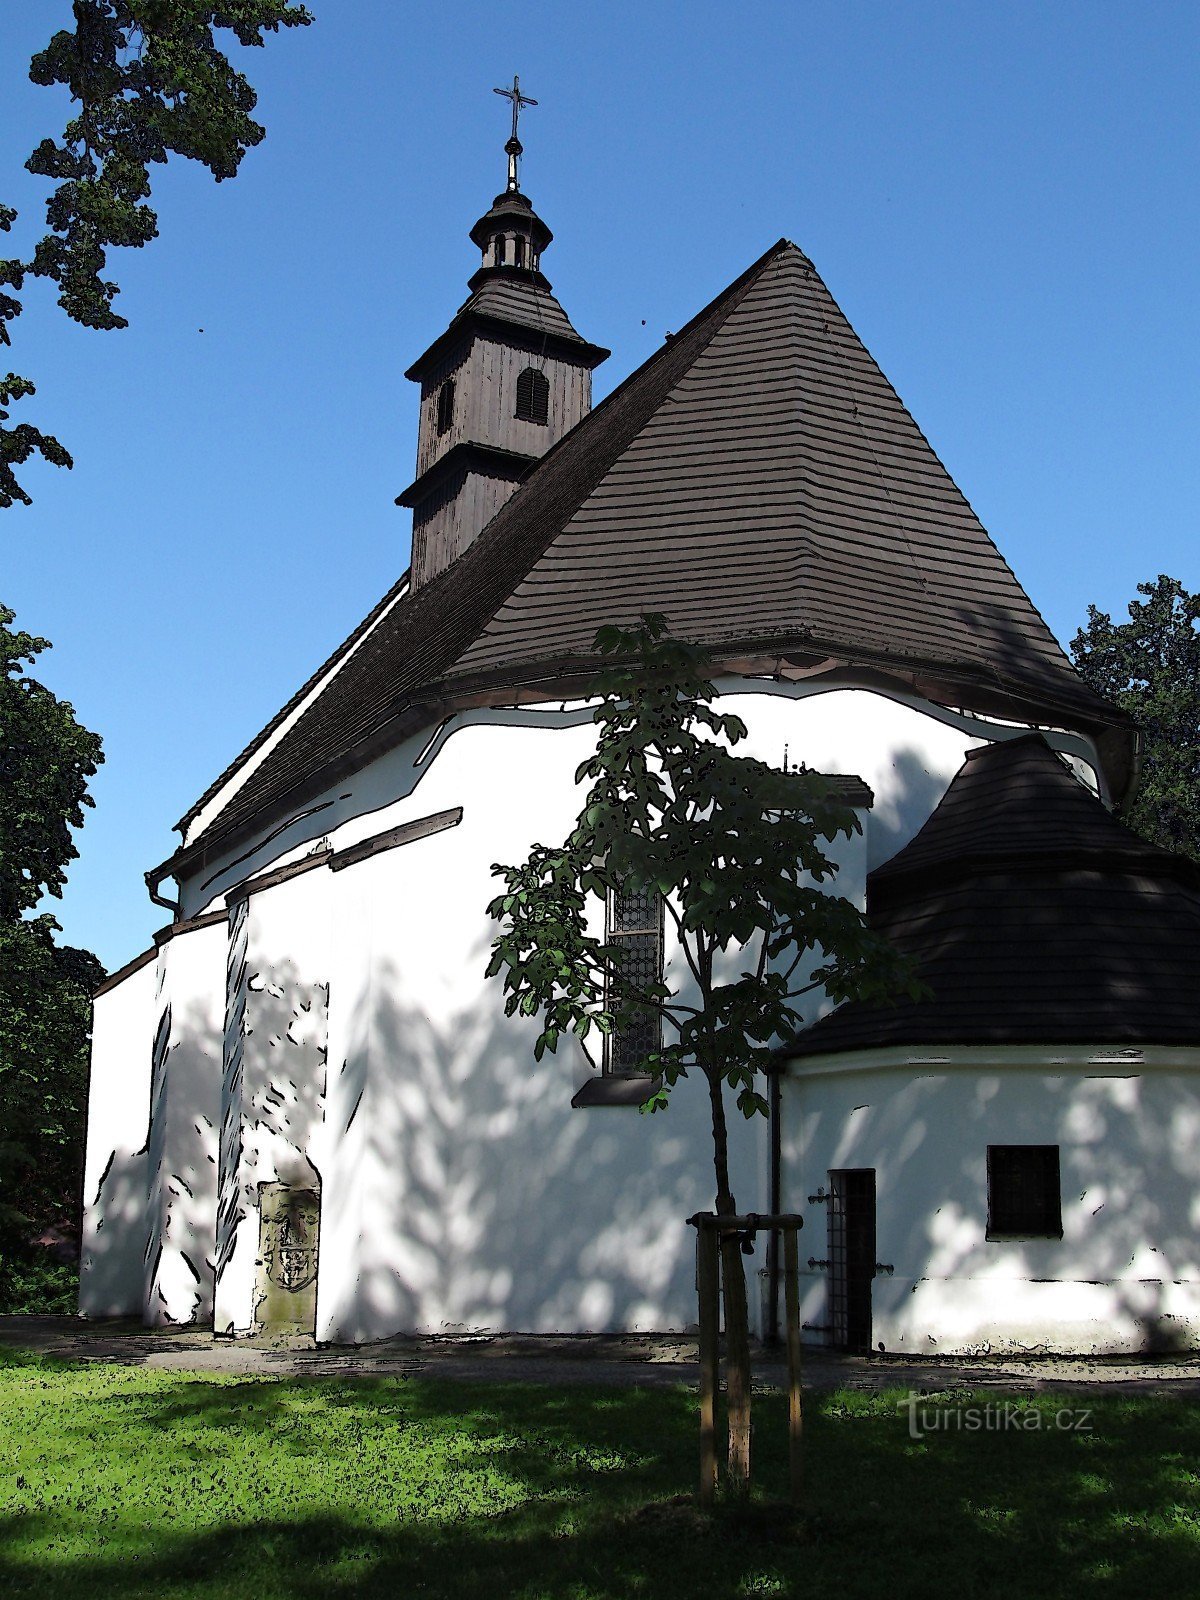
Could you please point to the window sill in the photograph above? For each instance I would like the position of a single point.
(607, 1089)
(1016, 1238)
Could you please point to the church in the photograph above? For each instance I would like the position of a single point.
(308, 1112)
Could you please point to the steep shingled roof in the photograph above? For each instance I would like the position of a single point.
(1034, 917)
(759, 482)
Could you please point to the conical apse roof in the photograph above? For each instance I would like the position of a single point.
(1034, 917)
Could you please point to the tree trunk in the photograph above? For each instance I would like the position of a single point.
(733, 1285)
(737, 1364)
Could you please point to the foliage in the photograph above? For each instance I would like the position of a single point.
(45, 1020)
(1150, 667)
(35, 1281)
(135, 1482)
(150, 82)
(19, 443)
(46, 759)
(737, 849)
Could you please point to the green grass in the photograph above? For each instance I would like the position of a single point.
(126, 1481)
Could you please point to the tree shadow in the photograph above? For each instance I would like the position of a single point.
(586, 1492)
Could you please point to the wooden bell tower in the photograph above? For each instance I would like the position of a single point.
(505, 381)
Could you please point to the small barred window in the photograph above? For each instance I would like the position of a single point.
(533, 396)
(445, 406)
(635, 922)
(1024, 1191)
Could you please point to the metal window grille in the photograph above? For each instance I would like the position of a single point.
(533, 396)
(1024, 1191)
(445, 406)
(851, 1214)
(635, 922)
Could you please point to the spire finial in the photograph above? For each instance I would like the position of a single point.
(513, 148)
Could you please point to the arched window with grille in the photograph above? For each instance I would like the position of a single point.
(533, 396)
(445, 406)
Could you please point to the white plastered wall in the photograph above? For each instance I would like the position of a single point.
(185, 1105)
(274, 1079)
(1126, 1274)
(459, 1187)
(114, 1174)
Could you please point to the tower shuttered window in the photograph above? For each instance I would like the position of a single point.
(635, 922)
(445, 406)
(533, 396)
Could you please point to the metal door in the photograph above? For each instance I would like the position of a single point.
(851, 1256)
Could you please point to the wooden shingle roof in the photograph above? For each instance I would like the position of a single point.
(1034, 917)
(759, 482)
(502, 303)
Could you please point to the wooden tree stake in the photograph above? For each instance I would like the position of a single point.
(791, 1278)
(709, 1291)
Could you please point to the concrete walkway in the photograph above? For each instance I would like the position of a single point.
(630, 1360)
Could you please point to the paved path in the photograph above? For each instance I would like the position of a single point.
(630, 1360)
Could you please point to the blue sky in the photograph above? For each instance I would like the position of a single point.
(1002, 197)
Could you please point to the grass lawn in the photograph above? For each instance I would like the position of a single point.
(126, 1481)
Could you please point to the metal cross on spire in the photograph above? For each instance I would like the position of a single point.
(513, 147)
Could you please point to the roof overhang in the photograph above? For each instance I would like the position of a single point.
(566, 677)
(468, 456)
(579, 351)
(932, 1059)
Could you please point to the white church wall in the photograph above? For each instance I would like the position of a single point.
(185, 1107)
(274, 1073)
(459, 1188)
(114, 1174)
(904, 749)
(489, 1201)
(1126, 1273)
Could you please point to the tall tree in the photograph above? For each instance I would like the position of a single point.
(46, 760)
(737, 851)
(1150, 667)
(150, 81)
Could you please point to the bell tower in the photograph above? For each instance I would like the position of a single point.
(503, 383)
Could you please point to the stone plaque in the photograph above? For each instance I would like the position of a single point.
(289, 1236)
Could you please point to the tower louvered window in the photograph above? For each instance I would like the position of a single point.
(634, 922)
(533, 396)
(445, 406)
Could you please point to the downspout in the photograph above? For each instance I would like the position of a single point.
(153, 878)
(773, 1206)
